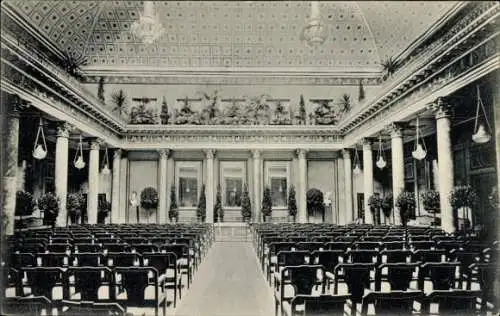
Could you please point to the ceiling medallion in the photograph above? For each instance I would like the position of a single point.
(148, 28)
(314, 33)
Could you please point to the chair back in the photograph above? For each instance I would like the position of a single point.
(35, 305)
(442, 275)
(399, 275)
(456, 302)
(42, 280)
(356, 276)
(362, 256)
(392, 303)
(87, 259)
(122, 259)
(323, 305)
(87, 281)
(304, 277)
(338, 245)
(293, 257)
(75, 308)
(327, 258)
(160, 261)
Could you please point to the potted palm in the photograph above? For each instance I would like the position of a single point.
(375, 203)
(201, 210)
(74, 205)
(292, 204)
(218, 210)
(49, 204)
(406, 204)
(315, 202)
(463, 197)
(246, 205)
(431, 203)
(386, 205)
(25, 205)
(267, 205)
(149, 200)
(173, 212)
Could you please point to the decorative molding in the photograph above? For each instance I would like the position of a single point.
(395, 129)
(301, 154)
(117, 154)
(63, 129)
(210, 153)
(164, 153)
(95, 143)
(367, 143)
(256, 154)
(346, 153)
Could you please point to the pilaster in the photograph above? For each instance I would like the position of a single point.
(61, 171)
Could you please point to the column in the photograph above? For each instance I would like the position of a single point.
(115, 187)
(161, 214)
(124, 198)
(61, 172)
(301, 194)
(445, 162)
(367, 178)
(209, 186)
(257, 187)
(92, 202)
(170, 177)
(348, 206)
(398, 167)
(10, 180)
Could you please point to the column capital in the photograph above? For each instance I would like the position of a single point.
(63, 129)
(95, 143)
(164, 153)
(117, 154)
(441, 108)
(301, 153)
(17, 105)
(210, 153)
(395, 129)
(346, 153)
(367, 143)
(256, 154)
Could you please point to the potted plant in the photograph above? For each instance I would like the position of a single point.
(375, 203)
(104, 208)
(173, 212)
(406, 204)
(292, 204)
(24, 205)
(218, 210)
(267, 204)
(246, 205)
(149, 200)
(386, 205)
(431, 202)
(201, 210)
(465, 197)
(74, 206)
(49, 204)
(315, 202)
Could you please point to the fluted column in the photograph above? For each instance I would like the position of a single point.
(445, 162)
(124, 198)
(10, 179)
(257, 187)
(161, 214)
(115, 187)
(61, 172)
(92, 199)
(398, 167)
(346, 155)
(209, 186)
(301, 153)
(367, 178)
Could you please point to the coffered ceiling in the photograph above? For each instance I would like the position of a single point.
(237, 35)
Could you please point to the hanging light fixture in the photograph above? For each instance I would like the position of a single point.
(40, 146)
(481, 134)
(148, 28)
(419, 150)
(78, 161)
(314, 33)
(105, 162)
(381, 163)
(357, 168)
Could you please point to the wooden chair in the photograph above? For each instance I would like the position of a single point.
(399, 275)
(87, 259)
(78, 308)
(428, 255)
(452, 303)
(87, 281)
(52, 259)
(357, 276)
(34, 305)
(166, 264)
(42, 281)
(391, 303)
(331, 305)
(443, 275)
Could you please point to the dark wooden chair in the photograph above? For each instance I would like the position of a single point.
(116, 247)
(428, 255)
(52, 259)
(399, 275)
(88, 247)
(391, 303)
(323, 305)
(166, 264)
(289, 258)
(423, 244)
(361, 256)
(367, 245)
(357, 276)
(59, 247)
(87, 259)
(134, 280)
(22, 259)
(394, 255)
(43, 280)
(486, 274)
(141, 248)
(452, 303)
(338, 245)
(296, 280)
(122, 259)
(87, 281)
(184, 264)
(77, 308)
(443, 275)
(34, 305)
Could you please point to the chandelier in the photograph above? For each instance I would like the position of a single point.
(381, 163)
(357, 162)
(40, 147)
(314, 33)
(105, 163)
(148, 28)
(419, 152)
(481, 134)
(78, 162)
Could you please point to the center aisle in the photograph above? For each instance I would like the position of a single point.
(228, 282)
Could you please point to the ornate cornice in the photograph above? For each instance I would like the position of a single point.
(436, 57)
